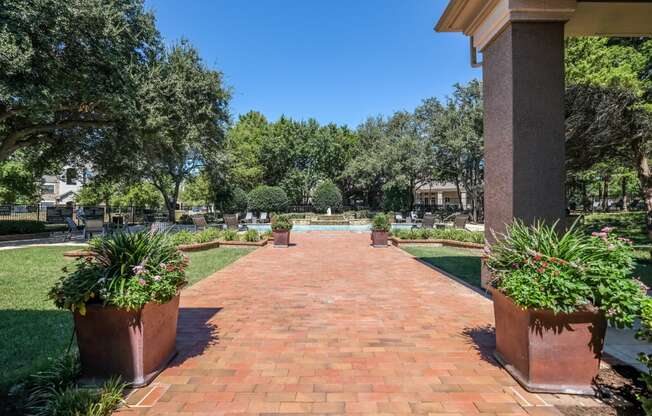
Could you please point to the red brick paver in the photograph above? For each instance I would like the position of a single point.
(334, 326)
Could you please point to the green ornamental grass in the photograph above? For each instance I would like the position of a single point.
(124, 270)
(539, 268)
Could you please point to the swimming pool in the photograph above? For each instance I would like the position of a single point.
(355, 228)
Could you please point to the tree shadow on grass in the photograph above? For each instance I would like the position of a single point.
(195, 333)
(465, 268)
(483, 340)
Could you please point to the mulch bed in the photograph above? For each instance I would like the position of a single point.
(452, 243)
(188, 247)
(617, 387)
(19, 237)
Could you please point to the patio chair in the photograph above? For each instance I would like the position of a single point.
(460, 221)
(199, 222)
(414, 217)
(263, 217)
(231, 221)
(250, 218)
(428, 221)
(93, 226)
(399, 218)
(72, 227)
(160, 227)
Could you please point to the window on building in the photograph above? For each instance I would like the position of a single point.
(47, 188)
(71, 176)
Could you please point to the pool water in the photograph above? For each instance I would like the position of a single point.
(355, 228)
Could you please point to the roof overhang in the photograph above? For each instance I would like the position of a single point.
(484, 19)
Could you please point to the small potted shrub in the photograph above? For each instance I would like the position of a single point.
(380, 227)
(553, 295)
(125, 301)
(281, 226)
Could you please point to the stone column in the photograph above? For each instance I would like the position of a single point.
(440, 199)
(463, 200)
(523, 69)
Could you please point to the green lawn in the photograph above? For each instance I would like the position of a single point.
(32, 331)
(464, 264)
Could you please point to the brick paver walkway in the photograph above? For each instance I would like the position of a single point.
(333, 326)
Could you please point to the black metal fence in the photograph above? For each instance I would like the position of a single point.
(57, 214)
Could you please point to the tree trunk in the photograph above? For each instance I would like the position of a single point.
(605, 194)
(623, 189)
(459, 192)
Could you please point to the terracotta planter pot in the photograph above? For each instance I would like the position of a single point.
(135, 345)
(549, 353)
(281, 238)
(379, 238)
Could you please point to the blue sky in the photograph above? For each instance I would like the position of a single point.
(335, 60)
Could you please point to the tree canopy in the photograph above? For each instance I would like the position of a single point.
(68, 67)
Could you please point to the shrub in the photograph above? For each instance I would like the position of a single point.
(381, 223)
(21, 227)
(237, 201)
(281, 223)
(54, 392)
(267, 199)
(230, 235)
(327, 195)
(126, 271)
(538, 268)
(454, 234)
(182, 237)
(251, 236)
(207, 235)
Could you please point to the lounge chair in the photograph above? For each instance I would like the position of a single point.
(263, 217)
(250, 218)
(428, 221)
(72, 227)
(460, 221)
(231, 221)
(414, 217)
(399, 218)
(199, 222)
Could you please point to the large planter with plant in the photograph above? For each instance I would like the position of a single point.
(553, 294)
(125, 301)
(380, 227)
(281, 227)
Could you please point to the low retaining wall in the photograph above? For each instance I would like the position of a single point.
(198, 246)
(451, 243)
(19, 237)
(186, 248)
(243, 244)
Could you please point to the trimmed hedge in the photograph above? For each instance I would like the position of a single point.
(267, 199)
(22, 227)
(327, 195)
(454, 234)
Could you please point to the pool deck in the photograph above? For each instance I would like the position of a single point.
(331, 325)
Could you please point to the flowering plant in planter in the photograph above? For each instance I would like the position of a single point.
(381, 222)
(540, 269)
(553, 293)
(125, 271)
(125, 302)
(281, 223)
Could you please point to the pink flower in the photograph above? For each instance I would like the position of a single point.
(541, 270)
(601, 234)
(142, 282)
(607, 230)
(156, 278)
(140, 269)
